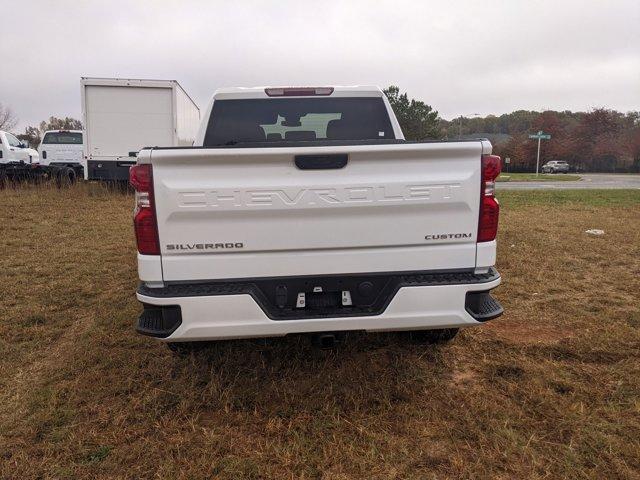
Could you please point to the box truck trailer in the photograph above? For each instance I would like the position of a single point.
(122, 116)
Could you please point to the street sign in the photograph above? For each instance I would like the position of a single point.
(507, 160)
(539, 136)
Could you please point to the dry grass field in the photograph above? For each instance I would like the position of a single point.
(549, 390)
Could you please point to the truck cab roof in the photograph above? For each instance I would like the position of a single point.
(64, 130)
(231, 93)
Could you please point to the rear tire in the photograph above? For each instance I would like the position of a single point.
(65, 177)
(434, 336)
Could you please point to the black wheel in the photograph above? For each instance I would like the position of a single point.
(435, 336)
(65, 177)
(3, 179)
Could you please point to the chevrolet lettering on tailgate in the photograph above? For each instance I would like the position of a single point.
(315, 197)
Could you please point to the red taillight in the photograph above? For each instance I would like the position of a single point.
(144, 216)
(298, 91)
(140, 177)
(489, 206)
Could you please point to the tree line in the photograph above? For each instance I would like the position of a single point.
(601, 140)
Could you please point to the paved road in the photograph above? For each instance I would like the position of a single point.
(588, 180)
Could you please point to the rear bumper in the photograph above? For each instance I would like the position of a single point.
(425, 301)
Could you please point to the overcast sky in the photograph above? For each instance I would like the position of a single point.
(461, 57)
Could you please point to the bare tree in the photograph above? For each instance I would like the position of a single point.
(7, 119)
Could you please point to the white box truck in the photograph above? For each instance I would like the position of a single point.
(122, 116)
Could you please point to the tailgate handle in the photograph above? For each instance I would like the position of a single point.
(321, 162)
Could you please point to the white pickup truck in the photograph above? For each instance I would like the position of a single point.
(20, 163)
(304, 210)
(62, 148)
(13, 150)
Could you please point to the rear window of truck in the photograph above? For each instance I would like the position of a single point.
(297, 119)
(63, 138)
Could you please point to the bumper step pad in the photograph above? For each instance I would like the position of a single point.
(482, 306)
(159, 322)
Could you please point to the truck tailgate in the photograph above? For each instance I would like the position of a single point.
(250, 212)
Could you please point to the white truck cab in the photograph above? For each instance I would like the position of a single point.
(61, 147)
(13, 150)
(304, 210)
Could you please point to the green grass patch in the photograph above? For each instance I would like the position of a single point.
(531, 177)
(98, 454)
(597, 198)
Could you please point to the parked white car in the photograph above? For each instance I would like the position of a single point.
(13, 150)
(555, 166)
(61, 147)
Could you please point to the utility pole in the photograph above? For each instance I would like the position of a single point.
(471, 115)
(538, 158)
(540, 136)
